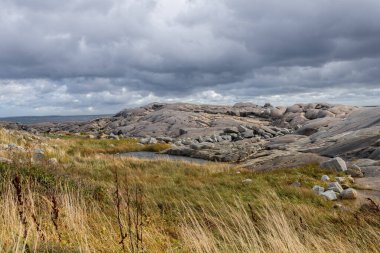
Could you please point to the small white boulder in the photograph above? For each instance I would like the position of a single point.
(335, 186)
(318, 189)
(330, 195)
(246, 181)
(325, 178)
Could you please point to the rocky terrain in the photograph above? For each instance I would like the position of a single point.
(256, 137)
(259, 137)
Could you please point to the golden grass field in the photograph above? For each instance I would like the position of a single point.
(94, 201)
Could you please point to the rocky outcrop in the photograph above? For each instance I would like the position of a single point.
(257, 136)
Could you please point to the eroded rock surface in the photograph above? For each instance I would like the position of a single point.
(260, 137)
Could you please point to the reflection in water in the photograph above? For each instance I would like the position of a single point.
(152, 155)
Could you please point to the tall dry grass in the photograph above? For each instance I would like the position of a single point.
(70, 207)
(238, 228)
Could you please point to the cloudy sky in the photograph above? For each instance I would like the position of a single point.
(99, 56)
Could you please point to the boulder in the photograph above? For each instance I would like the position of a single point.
(296, 184)
(242, 129)
(330, 195)
(187, 142)
(218, 138)
(144, 140)
(294, 109)
(336, 164)
(318, 189)
(231, 130)
(325, 113)
(311, 114)
(325, 178)
(354, 171)
(113, 137)
(149, 140)
(38, 154)
(246, 181)
(375, 155)
(247, 134)
(349, 193)
(277, 112)
(226, 137)
(335, 186)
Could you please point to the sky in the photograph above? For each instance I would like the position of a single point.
(100, 56)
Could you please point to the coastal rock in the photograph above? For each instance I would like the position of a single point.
(325, 178)
(231, 130)
(354, 171)
(294, 109)
(336, 164)
(38, 154)
(375, 154)
(349, 193)
(330, 195)
(149, 140)
(335, 186)
(318, 189)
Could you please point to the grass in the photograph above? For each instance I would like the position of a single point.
(178, 206)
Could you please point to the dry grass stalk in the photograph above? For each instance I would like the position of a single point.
(134, 215)
(20, 204)
(117, 199)
(55, 215)
(34, 215)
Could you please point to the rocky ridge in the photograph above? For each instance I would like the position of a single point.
(259, 137)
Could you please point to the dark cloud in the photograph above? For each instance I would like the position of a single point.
(104, 55)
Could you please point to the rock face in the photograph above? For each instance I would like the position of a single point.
(260, 137)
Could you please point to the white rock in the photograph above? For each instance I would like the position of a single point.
(335, 186)
(247, 181)
(330, 195)
(325, 178)
(318, 189)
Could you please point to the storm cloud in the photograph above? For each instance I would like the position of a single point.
(96, 56)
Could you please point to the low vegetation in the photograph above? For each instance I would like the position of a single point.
(94, 201)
